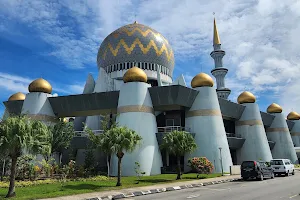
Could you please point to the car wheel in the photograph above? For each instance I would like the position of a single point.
(287, 174)
(272, 175)
(261, 177)
(293, 173)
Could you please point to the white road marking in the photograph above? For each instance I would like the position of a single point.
(192, 196)
(294, 196)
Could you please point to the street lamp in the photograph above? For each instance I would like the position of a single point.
(220, 148)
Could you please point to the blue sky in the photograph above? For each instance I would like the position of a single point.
(59, 42)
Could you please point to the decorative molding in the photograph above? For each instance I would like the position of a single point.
(43, 117)
(136, 108)
(249, 122)
(137, 43)
(203, 112)
(277, 130)
(295, 133)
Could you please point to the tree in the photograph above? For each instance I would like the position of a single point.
(178, 143)
(118, 140)
(107, 123)
(61, 135)
(20, 135)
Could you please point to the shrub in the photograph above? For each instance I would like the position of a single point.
(297, 165)
(201, 165)
(50, 181)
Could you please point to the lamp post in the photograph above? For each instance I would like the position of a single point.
(220, 148)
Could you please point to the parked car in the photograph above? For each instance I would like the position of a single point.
(256, 170)
(282, 166)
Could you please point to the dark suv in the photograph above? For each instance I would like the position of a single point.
(256, 170)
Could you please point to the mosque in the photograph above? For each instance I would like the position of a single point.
(135, 87)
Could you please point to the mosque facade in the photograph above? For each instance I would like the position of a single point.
(135, 87)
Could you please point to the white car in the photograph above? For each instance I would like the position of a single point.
(282, 166)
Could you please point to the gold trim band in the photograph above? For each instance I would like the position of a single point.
(145, 109)
(203, 112)
(295, 134)
(40, 117)
(278, 130)
(249, 122)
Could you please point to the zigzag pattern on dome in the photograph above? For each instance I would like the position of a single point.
(145, 33)
(145, 50)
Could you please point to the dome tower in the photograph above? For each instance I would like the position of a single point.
(205, 120)
(251, 128)
(36, 104)
(136, 45)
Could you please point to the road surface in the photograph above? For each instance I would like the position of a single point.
(279, 188)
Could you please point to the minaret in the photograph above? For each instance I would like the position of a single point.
(15, 97)
(280, 134)
(135, 111)
(219, 72)
(205, 120)
(251, 128)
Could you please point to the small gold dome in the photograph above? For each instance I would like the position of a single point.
(201, 80)
(40, 85)
(17, 96)
(293, 116)
(246, 97)
(135, 74)
(274, 108)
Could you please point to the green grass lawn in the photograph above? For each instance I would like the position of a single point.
(79, 187)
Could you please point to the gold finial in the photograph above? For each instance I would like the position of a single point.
(216, 34)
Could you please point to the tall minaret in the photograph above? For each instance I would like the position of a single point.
(219, 72)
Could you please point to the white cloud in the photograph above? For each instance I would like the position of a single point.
(260, 37)
(14, 83)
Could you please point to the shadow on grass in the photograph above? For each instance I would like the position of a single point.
(86, 186)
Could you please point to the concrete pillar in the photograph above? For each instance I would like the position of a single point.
(250, 127)
(280, 134)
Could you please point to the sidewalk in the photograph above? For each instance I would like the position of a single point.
(146, 189)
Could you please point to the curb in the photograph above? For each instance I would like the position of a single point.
(160, 190)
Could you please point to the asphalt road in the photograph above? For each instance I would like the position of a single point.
(278, 188)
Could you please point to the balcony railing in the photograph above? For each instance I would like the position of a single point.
(167, 129)
(85, 134)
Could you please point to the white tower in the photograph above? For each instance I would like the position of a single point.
(219, 72)
(36, 104)
(136, 112)
(205, 120)
(295, 132)
(280, 134)
(15, 97)
(251, 128)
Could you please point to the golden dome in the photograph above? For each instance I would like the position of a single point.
(40, 85)
(17, 96)
(293, 116)
(274, 108)
(246, 97)
(135, 74)
(201, 80)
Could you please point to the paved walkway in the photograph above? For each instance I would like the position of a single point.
(145, 188)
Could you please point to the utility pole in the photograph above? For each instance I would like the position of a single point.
(220, 148)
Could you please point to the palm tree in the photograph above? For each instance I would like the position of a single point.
(61, 135)
(106, 123)
(178, 143)
(19, 135)
(118, 140)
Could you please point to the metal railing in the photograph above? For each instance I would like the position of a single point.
(233, 135)
(167, 129)
(85, 134)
